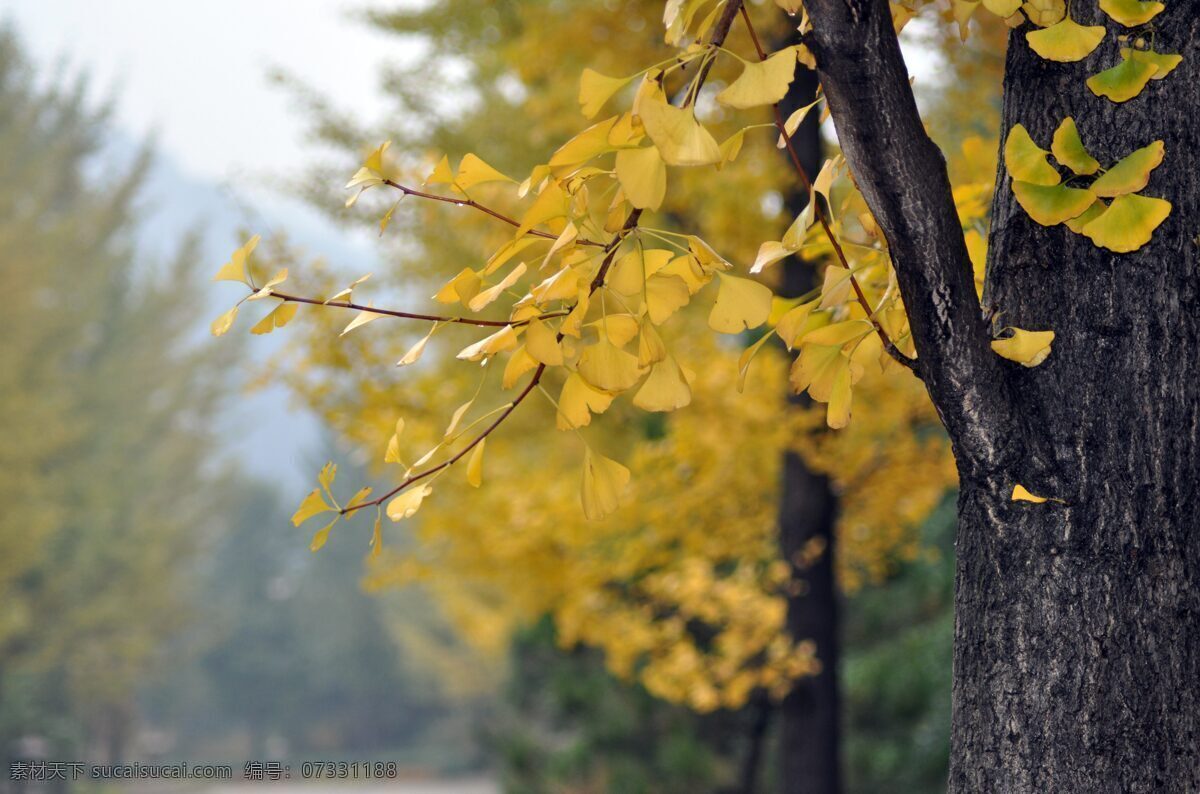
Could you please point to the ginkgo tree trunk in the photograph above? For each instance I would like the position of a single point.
(1077, 639)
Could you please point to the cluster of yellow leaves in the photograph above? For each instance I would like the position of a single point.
(1123, 225)
(680, 585)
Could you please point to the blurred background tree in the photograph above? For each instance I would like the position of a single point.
(106, 402)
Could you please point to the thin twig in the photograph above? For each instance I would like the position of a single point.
(433, 318)
(473, 204)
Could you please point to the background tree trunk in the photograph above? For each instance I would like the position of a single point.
(1077, 637)
(810, 716)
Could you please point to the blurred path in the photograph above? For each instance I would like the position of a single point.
(465, 786)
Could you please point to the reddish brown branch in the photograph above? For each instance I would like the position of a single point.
(473, 204)
(433, 318)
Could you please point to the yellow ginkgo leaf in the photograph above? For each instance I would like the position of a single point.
(1131, 174)
(651, 349)
(578, 400)
(504, 339)
(313, 504)
(769, 253)
(1131, 13)
(518, 364)
(414, 352)
(747, 356)
(377, 536)
(1002, 8)
(665, 294)
(392, 455)
(235, 268)
(604, 480)
(222, 324)
(1123, 81)
(1026, 161)
(408, 502)
(595, 89)
(618, 328)
(608, 367)
(731, 147)
(794, 324)
(1128, 223)
(680, 138)
(1066, 41)
(1020, 494)
(359, 496)
(1068, 149)
(1163, 62)
(360, 319)
(442, 173)
(741, 304)
(1077, 223)
(590, 143)
(643, 176)
(348, 292)
(322, 536)
(835, 287)
(490, 294)
(1053, 204)
(794, 121)
(839, 334)
(475, 465)
(461, 288)
(280, 316)
(761, 82)
(473, 171)
(627, 275)
(275, 280)
(1044, 13)
(817, 369)
(665, 389)
(541, 342)
(1028, 348)
(837, 413)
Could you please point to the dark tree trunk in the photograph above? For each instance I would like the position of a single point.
(810, 716)
(1077, 639)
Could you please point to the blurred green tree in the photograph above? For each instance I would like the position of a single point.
(106, 407)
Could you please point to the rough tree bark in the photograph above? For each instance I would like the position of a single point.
(810, 716)
(1077, 641)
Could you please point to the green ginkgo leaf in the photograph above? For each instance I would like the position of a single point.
(1128, 223)
(1066, 41)
(1050, 205)
(1124, 81)
(1026, 161)
(1077, 223)
(1164, 62)
(1131, 174)
(1131, 13)
(1069, 150)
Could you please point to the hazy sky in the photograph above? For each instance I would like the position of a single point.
(195, 73)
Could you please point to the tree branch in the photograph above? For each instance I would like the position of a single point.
(902, 176)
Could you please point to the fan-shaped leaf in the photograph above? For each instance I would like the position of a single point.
(1124, 81)
(1052, 204)
(1131, 174)
(1128, 223)
(1066, 41)
(1026, 161)
(1131, 13)
(1069, 150)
